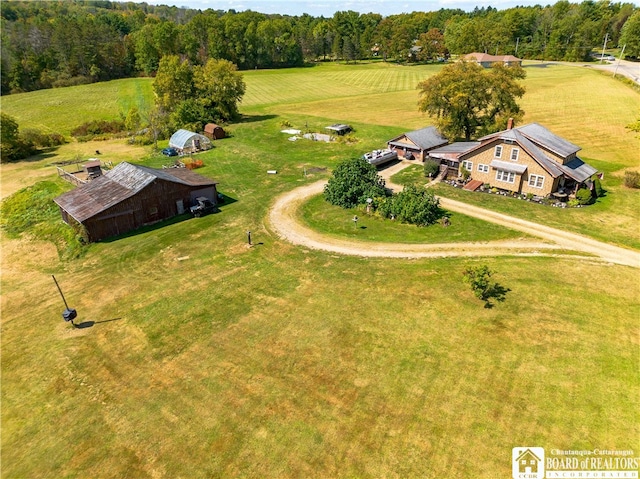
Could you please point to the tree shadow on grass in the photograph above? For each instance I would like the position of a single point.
(495, 292)
(256, 118)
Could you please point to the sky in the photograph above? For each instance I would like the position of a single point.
(327, 8)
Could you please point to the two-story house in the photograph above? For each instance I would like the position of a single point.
(526, 159)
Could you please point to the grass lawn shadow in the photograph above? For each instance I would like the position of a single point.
(256, 118)
(145, 229)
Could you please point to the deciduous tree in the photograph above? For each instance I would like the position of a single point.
(352, 182)
(467, 99)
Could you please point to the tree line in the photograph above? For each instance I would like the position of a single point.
(49, 44)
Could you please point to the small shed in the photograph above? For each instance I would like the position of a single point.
(186, 142)
(213, 131)
(339, 128)
(93, 168)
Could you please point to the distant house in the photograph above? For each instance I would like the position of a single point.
(213, 131)
(186, 142)
(487, 60)
(130, 196)
(416, 144)
(527, 159)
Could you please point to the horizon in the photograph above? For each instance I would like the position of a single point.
(326, 8)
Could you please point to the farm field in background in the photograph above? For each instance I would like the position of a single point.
(205, 358)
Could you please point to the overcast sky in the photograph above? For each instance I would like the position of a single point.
(327, 8)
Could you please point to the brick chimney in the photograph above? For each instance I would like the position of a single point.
(510, 124)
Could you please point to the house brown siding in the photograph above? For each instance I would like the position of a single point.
(486, 154)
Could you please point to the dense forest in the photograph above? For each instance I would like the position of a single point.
(49, 44)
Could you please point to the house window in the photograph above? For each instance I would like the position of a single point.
(536, 181)
(514, 154)
(506, 176)
(467, 165)
(483, 168)
(498, 152)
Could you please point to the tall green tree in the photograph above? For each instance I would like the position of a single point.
(219, 88)
(173, 83)
(467, 99)
(630, 36)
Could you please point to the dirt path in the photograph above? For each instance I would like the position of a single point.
(282, 219)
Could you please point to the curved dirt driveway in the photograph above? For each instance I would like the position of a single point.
(282, 218)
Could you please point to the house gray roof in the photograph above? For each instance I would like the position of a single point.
(540, 135)
(183, 138)
(124, 181)
(486, 58)
(578, 169)
(426, 139)
(454, 150)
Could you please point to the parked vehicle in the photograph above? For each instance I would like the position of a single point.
(203, 206)
(170, 152)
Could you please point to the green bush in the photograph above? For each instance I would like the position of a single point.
(584, 196)
(42, 140)
(632, 179)
(414, 205)
(597, 186)
(431, 168)
(98, 128)
(465, 173)
(352, 182)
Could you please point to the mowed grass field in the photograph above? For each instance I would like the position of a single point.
(201, 357)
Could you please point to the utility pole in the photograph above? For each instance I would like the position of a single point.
(619, 58)
(517, 43)
(604, 46)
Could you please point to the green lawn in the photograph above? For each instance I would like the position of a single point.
(338, 222)
(201, 357)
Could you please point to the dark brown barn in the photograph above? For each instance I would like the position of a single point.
(213, 131)
(131, 196)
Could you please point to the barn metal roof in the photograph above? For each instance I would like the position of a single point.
(124, 181)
